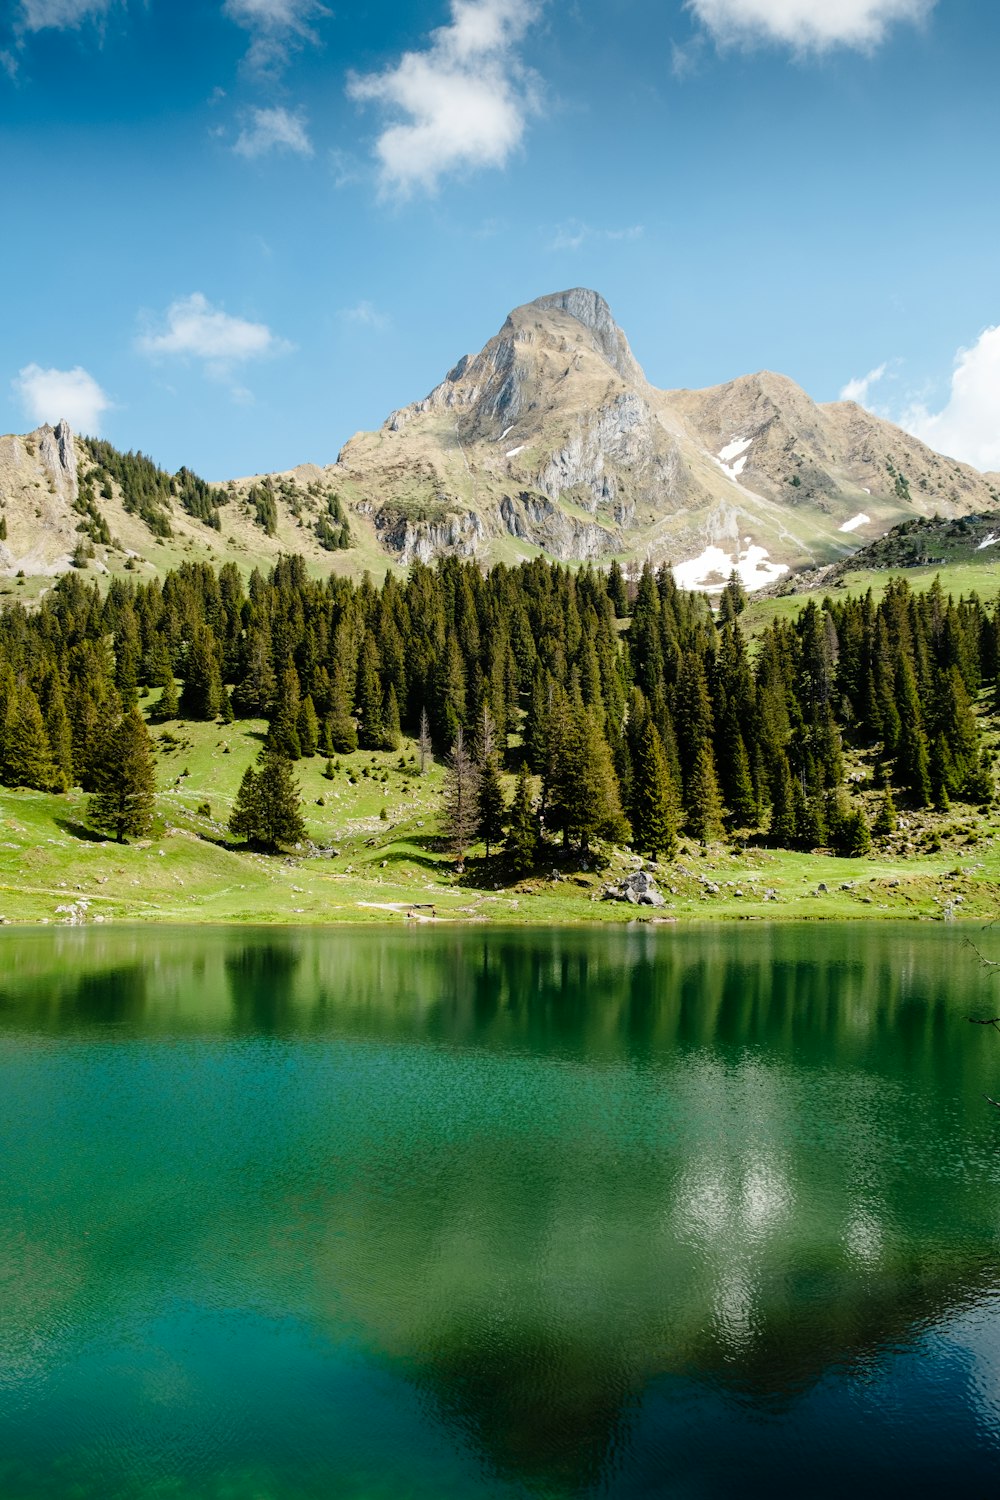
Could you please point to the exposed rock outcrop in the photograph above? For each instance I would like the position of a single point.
(554, 422)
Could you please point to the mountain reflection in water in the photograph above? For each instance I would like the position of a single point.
(496, 1212)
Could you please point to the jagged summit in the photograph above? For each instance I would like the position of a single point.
(590, 309)
(551, 436)
(549, 439)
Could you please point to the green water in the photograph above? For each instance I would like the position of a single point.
(473, 1213)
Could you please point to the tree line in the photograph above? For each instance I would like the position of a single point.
(643, 714)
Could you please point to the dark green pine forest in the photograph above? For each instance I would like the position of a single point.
(646, 716)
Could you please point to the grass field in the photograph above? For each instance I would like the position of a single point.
(375, 853)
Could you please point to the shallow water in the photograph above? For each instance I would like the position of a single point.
(472, 1212)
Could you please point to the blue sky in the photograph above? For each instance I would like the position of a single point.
(237, 231)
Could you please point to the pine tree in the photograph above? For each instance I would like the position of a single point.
(60, 735)
(491, 806)
(616, 590)
(125, 781)
(390, 719)
(283, 730)
(268, 807)
(885, 821)
(653, 806)
(202, 691)
(307, 727)
(596, 810)
(912, 758)
(733, 600)
(168, 706)
(371, 726)
(341, 729)
(27, 755)
(244, 821)
(521, 843)
(704, 802)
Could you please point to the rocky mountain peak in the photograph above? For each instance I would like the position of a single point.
(590, 309)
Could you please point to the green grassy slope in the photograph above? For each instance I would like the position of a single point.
(363, 867)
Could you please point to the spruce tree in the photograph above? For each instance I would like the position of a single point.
(168, 706)
(371, 725)
(202, 691)
(123, 799)
(27, 755)
(491, 806)
(595, 805)
(57, 727)
(704, 802)
(341, 729)
(521, 843)
(283, 730)
(268, 807)
(653, 806)
(885, 820)
(307, 727)
(244, 820)
(390, 719)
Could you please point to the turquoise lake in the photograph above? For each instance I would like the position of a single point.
(468, 1212)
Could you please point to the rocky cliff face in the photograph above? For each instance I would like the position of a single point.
(553, 436)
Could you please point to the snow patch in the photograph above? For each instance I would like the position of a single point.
(513, 452)
(859, 520)
(732, 459)
(712, 568)
(505, 432)
(988, 541)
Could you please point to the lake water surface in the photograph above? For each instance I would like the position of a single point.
(471, 1212)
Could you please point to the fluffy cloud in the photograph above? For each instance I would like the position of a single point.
(44, 15)
(463, 102)
(194, 329)
(277, 28)
(50, 395)
(273, 130)
(857, 389)
(806, 25)
(968, 426)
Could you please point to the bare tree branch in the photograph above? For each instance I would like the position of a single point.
(987, 963)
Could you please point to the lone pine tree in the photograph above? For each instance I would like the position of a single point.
(268, 807)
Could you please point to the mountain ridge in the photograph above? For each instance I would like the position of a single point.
(550, 439)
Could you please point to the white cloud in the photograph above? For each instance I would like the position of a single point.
(8, 62)
(59, 15)
(857, 389)
(574, 234)
(366, 315)
(277, 28)
(50, 395)
(806, 25)
(273, 130)
(461, 103)
(194, 329)
(968, 426)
